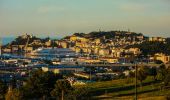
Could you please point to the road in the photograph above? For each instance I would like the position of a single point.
(90, 65)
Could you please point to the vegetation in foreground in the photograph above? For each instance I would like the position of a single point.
(125, 89)
(153, 83)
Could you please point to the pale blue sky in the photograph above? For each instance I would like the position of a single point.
(57, 18)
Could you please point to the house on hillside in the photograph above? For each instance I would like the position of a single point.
(63, 69)
(162, 57)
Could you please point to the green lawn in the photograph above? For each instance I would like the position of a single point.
(124, 89)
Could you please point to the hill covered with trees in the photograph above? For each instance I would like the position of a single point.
(150, 48)
(109, 34)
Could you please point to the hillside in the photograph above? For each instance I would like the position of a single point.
(22, 40)
(109, 34)
(150, 48)
(123, 89)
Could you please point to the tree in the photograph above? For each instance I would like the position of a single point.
(81, 52)
(62, 89)
(153, 72)
(150, 48)
(131, 74)
(40, 84)
(142, 74)
(54, 44)
(14, 94)
(162, 71)
(13, 81)
(167, 78)
(3, 88)
(130, 77)
(82, 93)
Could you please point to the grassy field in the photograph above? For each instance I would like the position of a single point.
(124, 89)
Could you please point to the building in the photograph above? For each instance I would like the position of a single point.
(104, 52)
(6, 50)
(140, 37)
(110, 59)
(98, 41)
(73, 38)
(29, 49)
(83, 40)
(48, 43)
(83, 75)
(162, 57)
(116, 52)
(87, 50)
(15, 48)
(135, 51)
(63, 69)
(64, 44)
(36, 42)
(159, 39)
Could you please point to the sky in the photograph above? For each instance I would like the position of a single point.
(59, 18)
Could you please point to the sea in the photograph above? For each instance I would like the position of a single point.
(6, 40)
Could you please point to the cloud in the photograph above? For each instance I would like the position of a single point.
(49, 9)
(133, 7)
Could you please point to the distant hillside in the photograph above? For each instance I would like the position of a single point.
(22, 40)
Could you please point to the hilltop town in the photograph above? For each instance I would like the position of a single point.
(111, 46)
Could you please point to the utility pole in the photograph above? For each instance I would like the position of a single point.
(62, 95)
(90, 74)
(136, 69)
